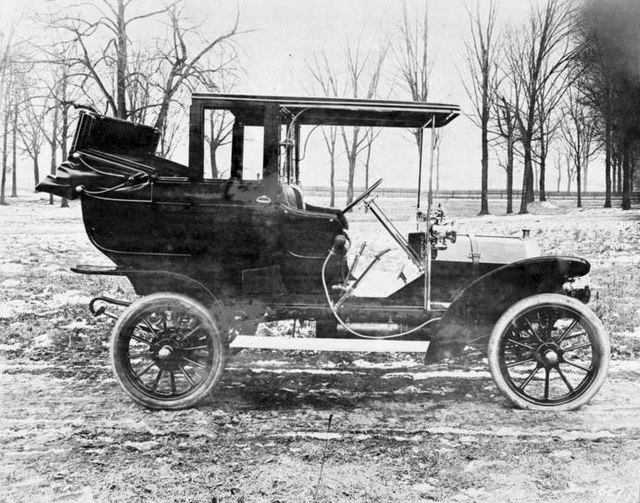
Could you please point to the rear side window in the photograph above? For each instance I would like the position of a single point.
(218, 147)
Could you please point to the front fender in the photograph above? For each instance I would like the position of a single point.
(476, 309)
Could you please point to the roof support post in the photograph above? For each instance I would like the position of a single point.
(237, 149)
(271, 144)
(296, 156)
(427, 255)
(196, 141)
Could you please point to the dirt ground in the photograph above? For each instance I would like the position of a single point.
(293, 426)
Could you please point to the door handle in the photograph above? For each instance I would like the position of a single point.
(263, 200)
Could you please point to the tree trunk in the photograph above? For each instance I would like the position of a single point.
(332, 202)
(607, 165)
(527, 179)
(14, 153)
(619, 174)
(510, 175)
(36, 171)
(366, 166)
(54, 146)
(542, 180)
(484, 198)
(352, 158)
(212, 157)
(53, 165)
(578, 185)
(121, 63)
(626, 176)
(438, 169)
(543, 164)
(585, 175)
(632, 165)
(626, 173)
(64, 132)
(352, 172)
(5, 145)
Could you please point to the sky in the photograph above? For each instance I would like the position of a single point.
(281, 37)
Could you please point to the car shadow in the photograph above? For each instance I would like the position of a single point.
(345, 388)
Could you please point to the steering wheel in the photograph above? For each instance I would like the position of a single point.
(362, 196)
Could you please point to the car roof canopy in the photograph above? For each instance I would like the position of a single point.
(250, 110)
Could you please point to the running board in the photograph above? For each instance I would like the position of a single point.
(313, 344)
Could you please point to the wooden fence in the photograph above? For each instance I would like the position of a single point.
(588, 198)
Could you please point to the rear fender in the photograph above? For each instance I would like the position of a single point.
(146, 282)
(476, 309)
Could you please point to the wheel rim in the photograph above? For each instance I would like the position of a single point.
(548, 355)
(167, 352)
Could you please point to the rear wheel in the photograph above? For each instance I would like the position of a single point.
(167, 352)
(549, 352)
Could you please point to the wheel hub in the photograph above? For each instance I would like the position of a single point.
(549, 355)
(165, 352)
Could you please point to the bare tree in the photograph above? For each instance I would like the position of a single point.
(538, 56)
(505, 129)
(6, 117)
(557, 164)
(220, 128)
(358, 61)
(30, 127)
(414, 61)
(363, 69)
(324, 77)
(131, 83)
(578, 132)
(609, 51)
(507, 136)
(330, 135)
(482, 65)
(548, 119)
(190, 71)
(7, 86)
(62, 90)
(15, 114)
(369, 137)
(110, 21)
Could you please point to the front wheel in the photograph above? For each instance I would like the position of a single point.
(167, 352)
(549, 352)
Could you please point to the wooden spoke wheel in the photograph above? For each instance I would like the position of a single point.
(549, 352)
(167, 352)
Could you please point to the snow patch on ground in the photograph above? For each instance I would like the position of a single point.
(296, 371)
(11, 269)
(384, 365)
(11, 283)
(420, 376)
(70, 298)
(14, 307)
(311, 434)
(624, 366)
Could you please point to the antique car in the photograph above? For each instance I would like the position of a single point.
(212, 257)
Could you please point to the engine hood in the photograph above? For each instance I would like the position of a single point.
(489, 249)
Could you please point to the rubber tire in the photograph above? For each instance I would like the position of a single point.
(151, 303)
(600, 346)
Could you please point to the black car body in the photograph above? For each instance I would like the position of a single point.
(255, 250)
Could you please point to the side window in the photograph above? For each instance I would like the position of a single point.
(218, 125)
(253, 153)
(218, 147)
